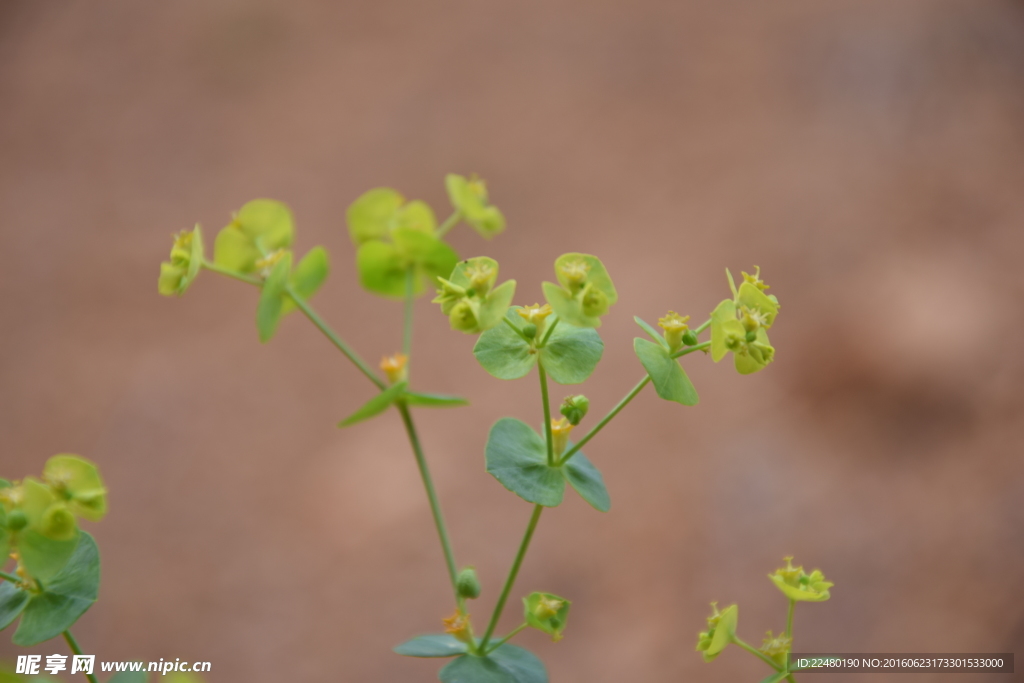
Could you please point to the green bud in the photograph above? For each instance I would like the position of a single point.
(594, 303)
(16, 520)
(468, 584)
(689, 338)
(575, 408)
(529, 330)
(463, 317)
(751, 335)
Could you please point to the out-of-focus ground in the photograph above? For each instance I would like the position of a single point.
(869, 155)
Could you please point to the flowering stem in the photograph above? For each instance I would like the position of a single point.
(547, 334)
(789, 619)
(435, 505)
(703, 326)
(210, 265)
(448, 224)
(547, 413)
(537, 509)
(690, 349)
(757, 653)
(9, 577)
(410, 300)
(516, 330)
(73, 644)
(335, 339)
(508, 637)
(606, 419)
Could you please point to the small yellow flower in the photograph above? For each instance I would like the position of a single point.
(575, 272)
(481, 277)
(395, 367)
(458, 626)
(266, 264)
(560, 431)
(535, 314)
(755, 279)
(547, 607)
(675, 327)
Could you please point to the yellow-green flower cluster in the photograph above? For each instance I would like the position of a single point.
(740, 325)
(796, 584)
(469, 298)
(720, 631)
(177, 273)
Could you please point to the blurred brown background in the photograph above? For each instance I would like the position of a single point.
(868, 155)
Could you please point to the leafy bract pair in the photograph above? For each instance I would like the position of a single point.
(400, 240)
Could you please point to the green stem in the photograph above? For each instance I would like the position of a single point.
(209, 265)
(547, 333)
(410, 300)
(73, 644)
(703, 326)
(690, 349)
(547, 412)
(606, 419)
(435, 505)
(448, 224)
(789, 619)
(9, 577)
(335, 339)
(517, 330)
(512, 573)
(508, 637)
(757, 653)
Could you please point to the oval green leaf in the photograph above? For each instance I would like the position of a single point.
(517, 457)
(571, 353)
(376, 405)
(269, 309)
(503, 352)
(416, 398)
(587, 480)
(668, 376)
(12, 603)
(507, 664)
(434, 645)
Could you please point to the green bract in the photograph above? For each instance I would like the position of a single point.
(306, 278)
(800, 586)
(393, 237)
(670, 381)
(507, 664)
(585, 291)
(546, 612)
(470, 199)
(720, 632)
(469, 298)
(740, 325)
(569, 354)
(517, 458)
(78, 481)
(186, 259)
(260, 228)
(63, 599)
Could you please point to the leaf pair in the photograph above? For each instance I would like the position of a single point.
(399, 392)
(260, 227)
(569, 355)
(470, 199)
(506, 664)
(517, 457)
(393, 237)
(668, 376)
(64, 597)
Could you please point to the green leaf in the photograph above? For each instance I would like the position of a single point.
(753, 298)
(307, 277)
(370, 216)
(517, 457)
(507, 664)
(566, 307)
(775, 677)
(434, 645)
(416, 215)
(234, 250)
(80, 479)
(651, 331)
(64, 598)
(381, 269)
(131, 677)
(12, 602)
(269, 309)
(376, 405)
(496, 304)
(382, 266)
(587, 480)
(415, 398)
(668, 376)
(503, 352)
(571, 353)
(5, 538)
(433, 257)
(44, 557)
(723, 323)
(469, 197)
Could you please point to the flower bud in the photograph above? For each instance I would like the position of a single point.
(560, 431)
(529, 331)
(689, 338)
(595, 302)
(16, 520)
(468, 584)
(395, 367)
(575, 408)
(58, 523)
(463, 317)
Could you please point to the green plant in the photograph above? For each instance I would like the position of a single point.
(401, 253)
(798, 586)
